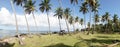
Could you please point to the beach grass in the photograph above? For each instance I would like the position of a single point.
(54, 40)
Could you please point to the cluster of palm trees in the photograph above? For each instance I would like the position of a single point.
(108, 25)
(28, 6)
(88, 6)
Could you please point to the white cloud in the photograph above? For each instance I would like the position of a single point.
(6, 18)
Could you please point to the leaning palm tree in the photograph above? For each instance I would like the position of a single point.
(67, 13)
(20, 39)
(84, 10)
(71, 21)
(59, 14)
(46, 6)
(22, 3)
(29, 9)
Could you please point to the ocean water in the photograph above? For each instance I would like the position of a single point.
(7, 33)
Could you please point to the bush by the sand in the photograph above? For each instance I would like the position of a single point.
(82, 44)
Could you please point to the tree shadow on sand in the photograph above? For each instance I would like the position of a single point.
(6, 44)
(59, 45)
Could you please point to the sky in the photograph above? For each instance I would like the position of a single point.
(7, 20)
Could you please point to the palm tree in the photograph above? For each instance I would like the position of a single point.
(74, 2)
(67, 13)
(84, 10)
(59, 14)
(30, 8)
(115, 19)
(46, 6)
(109, 26)
(107, 19)
(20, 39)
(96, 19)
(71, 21)
(96, 7)
(103, 18)
(91, 5)
(107, 15)
(95, 10)
(81, 21)
(115, 22)
(22, 3)
(76, 19)
(88, 24)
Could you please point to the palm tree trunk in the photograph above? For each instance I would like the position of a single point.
(27, 23)
(35, 21)
(93, 28)
(48, 23)
(73, 15)
(94, 24)
(82, 26)
(78, 26)
(59, 24)
(90, 22)
(107, 26)
(73, 27)
(67, 27)
(20, 39)
(85, 22)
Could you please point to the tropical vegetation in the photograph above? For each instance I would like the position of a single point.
(98, 24)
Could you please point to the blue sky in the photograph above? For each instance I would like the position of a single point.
(111, 6)
(105, 6)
